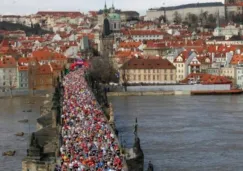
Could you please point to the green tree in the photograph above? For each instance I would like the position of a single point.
(203, 17)
(192, 20)
(177, 18)
(211, 19)
(102, 70)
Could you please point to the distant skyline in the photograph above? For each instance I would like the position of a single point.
(23, 7)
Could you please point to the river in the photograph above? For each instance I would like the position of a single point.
(184, 133)
(11, 111)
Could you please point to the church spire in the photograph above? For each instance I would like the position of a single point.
(112, 10)
(105, 10)
(218, 19)
(113, 5)
(105, 6)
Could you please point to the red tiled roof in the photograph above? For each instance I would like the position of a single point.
(23, 68)
(47, 54)
(184, 55)
(129, 44)
(8, 62)
(236, 59)
(202, 59)
(135, 63)
(56, 67)
(142, 32)
(23, 60)
(207, 79)
(45, 69)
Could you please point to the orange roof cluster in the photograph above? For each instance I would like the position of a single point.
(47, 54)
(175, 43)
(123, 54)
(206, 79)
(159, 63)
(220, 48)
(56, 67)
(202, 59)
(23, 68)
(236, 59)
(184, 55)
(142, 32)
(8, 62)
(129, 44)
(23, 61)
(45, 69)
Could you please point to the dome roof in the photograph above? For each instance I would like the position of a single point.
(114, 16)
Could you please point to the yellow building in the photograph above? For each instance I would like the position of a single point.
(229, 72)
(181, 67)
(148, 71)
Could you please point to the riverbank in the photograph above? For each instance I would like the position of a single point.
(148, 93)
(24, 93)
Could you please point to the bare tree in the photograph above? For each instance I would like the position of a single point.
(102, 70)
(125, 75)
(191, 20)
(203, 17)
(177, 18)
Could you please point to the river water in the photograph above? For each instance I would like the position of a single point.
(11, 111)
(185, 133)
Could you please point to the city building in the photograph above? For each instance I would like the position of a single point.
(141, 35)
(204, 78)
(8, 74)
(129, 15)
(113, 18)
(42, 78)
(233, 8)
(239, 76)
(23, 77)
(148, 71)
(183, 10)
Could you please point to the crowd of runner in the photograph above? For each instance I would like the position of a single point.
(88, 143)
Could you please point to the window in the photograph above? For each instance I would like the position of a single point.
(149, 77)
(171, 77)
(153, 70)
(145, 77)
(145, 71)
(139, 77)
(165, 70)
(157, 70)
(165, 77)
(157, 77)
(154, 77)
(134, 77)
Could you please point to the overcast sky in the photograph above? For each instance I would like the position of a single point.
(32, 6)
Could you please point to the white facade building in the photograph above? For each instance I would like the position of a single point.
(197, 8)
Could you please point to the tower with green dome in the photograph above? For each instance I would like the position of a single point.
(113, 17)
